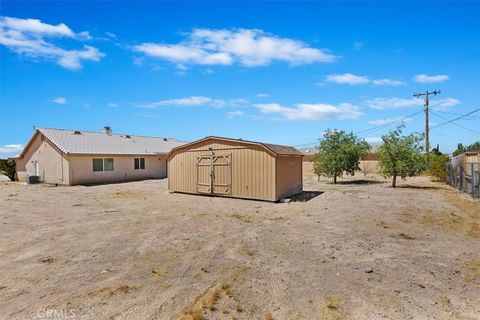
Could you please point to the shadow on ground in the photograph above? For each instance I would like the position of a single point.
(305, 196)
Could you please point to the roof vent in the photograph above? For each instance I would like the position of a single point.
(164, 139)
(107, 130)
(76, 132)
(127, 136)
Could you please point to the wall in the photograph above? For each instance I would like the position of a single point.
(253, 168)
(288, 176)
(53, 164)
(81, 169)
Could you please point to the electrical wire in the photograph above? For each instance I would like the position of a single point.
(456, 119)
(452, 122)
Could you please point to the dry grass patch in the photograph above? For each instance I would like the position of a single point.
(243, 217)
(217, 299)
(464, 221)
(109, 292)
(245, 250)
(406, 236)
(331, 308)
(383, 224)
(471, 273)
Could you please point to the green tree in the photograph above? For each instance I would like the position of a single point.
(461, 149)
(7, 167)
(437, 166)
(339, 152)
(401, 156)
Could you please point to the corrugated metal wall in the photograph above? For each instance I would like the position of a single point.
(288, 176)
(252, 168)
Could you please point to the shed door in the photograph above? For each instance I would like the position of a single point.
(213, 174)
(222, 174)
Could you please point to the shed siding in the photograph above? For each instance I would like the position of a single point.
(81, 169)
(288, 176)
(52, 163)
(253, 168)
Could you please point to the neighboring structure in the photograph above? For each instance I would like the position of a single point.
(78, 157)
(235, 168)
(464, 173)
(308, 153)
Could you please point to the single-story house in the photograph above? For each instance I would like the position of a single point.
(72, 157)
(235, 168)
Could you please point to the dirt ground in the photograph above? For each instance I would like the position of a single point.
(356, 250)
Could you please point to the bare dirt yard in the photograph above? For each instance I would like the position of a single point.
(357, 250)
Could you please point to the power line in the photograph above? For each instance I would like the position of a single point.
(458, 125)
(388, 123)
(456, 114)
(371, 129)
(458, 118)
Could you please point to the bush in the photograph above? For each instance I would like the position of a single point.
(437, 167)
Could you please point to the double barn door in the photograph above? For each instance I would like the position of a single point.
(214, 173)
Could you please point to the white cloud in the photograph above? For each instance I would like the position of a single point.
(194, 101)
(374, 140)
(387, 82)
(393, 103)
(443, 104)
(248, 47)
(30, 38)
(347, 78)
(262, 95)
(423, 78)
(234, 114)
(357, 45)
(306, 111)
(396, 103)
(113, 104)
(59, 100)
(380, 122)
(9, 150)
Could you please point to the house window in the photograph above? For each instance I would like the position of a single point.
(103, 164)
(97, 165)
(139, 163)
(108, 164)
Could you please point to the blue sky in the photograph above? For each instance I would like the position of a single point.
(276, 72)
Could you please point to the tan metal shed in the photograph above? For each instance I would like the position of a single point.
(235, 168)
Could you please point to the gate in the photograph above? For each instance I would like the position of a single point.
(214, 174)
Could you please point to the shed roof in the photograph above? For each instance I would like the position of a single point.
(86, 142)
(273, 148)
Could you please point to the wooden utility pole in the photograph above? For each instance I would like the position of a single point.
(427, 140)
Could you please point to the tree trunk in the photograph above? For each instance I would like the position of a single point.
(335, 180)
(394, 182)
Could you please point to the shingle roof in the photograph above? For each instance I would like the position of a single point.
(101, 143)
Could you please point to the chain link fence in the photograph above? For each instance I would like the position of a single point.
(464, 177)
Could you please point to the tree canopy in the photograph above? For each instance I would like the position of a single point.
(401, 155)
(461, 149)
(339, 152)
(7, 167)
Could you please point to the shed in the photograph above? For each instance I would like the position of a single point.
(235, 168)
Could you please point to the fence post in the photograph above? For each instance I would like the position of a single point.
(474, 184)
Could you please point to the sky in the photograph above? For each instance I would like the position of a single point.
(278, 72)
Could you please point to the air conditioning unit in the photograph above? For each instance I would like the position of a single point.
(33, 179)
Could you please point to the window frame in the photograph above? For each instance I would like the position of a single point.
(98, 160)
(103, 162)
(139, 163)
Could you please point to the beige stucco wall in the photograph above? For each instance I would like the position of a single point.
(53, 164)
(81, 169)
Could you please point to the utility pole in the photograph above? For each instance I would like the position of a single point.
(427, 140)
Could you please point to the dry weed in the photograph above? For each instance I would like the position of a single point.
(471, 273)
(331, 308)
(245, 250)
(406, 236)
(248, 218)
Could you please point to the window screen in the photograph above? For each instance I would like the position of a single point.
(137, 163)
(142, 163)
(108, 164)
(97, 164)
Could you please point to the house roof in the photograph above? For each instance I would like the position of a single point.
(273, 148)
(85, 142)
